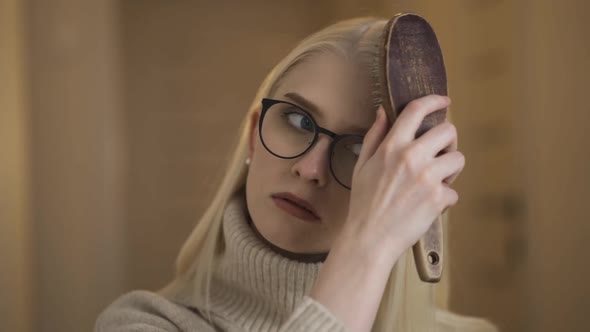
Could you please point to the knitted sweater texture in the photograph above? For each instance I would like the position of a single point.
(253, 289)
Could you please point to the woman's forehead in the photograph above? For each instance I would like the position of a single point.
(334, 86)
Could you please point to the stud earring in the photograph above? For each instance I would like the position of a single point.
(248, 161)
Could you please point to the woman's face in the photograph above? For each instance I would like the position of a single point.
(335, 89)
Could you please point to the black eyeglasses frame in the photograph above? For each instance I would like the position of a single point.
(266, 105)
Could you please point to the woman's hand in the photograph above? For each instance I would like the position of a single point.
(400, 184)
(399, 187)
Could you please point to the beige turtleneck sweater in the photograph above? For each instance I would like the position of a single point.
(255, 288)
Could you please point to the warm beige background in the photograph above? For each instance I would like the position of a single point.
(16, 280)
(116, 118)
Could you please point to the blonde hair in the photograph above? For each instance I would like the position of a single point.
(408, 304)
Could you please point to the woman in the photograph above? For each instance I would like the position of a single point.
(312, 227)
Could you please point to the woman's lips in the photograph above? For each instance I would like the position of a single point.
(295, 210)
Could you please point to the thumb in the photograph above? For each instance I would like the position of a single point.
(374, 136)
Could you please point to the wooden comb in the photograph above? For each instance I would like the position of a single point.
(412, 66)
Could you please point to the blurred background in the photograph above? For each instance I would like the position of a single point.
(117, 116)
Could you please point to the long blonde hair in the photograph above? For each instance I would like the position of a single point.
(408, 304)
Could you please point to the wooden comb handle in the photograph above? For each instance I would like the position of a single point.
(414, 67)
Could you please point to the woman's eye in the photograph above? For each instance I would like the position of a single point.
(301, 121)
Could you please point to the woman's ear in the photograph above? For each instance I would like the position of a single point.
(253, 130)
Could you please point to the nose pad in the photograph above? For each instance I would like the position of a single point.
(314, 164)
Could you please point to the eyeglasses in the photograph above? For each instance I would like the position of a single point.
(288, 131)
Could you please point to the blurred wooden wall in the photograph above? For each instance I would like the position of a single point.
(111, 115)
(78, 158)
(15, 228)
(487, 226)
(552, 127)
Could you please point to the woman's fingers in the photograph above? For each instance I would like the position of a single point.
(451, 198)
(407, 123)
(448, 166)
(438, 140)
(453, 146)
(374, 136)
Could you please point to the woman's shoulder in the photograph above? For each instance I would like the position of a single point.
(142, 310)
(448, 321)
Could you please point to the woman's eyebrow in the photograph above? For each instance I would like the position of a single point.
(312, 108)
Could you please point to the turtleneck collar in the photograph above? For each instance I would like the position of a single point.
(305, 258)
(252, 282)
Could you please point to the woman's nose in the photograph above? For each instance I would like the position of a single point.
(314, 164)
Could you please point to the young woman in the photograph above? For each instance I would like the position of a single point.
(313, 224)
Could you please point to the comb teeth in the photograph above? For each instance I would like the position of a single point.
(374, 95)
(369, 57)
(376, 74)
